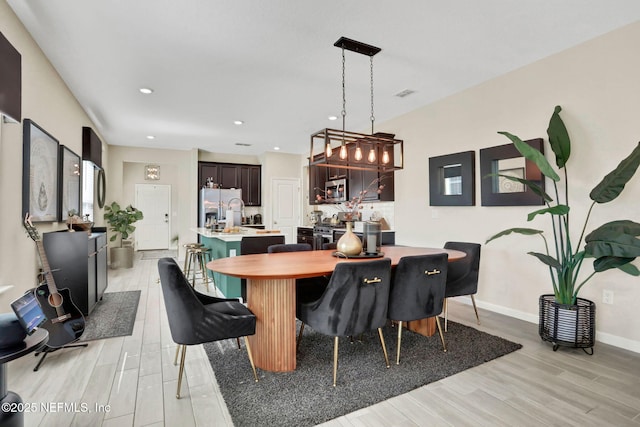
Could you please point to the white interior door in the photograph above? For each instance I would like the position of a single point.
(285, 211)
(152, 232)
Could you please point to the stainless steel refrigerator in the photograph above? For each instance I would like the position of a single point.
(214, 204)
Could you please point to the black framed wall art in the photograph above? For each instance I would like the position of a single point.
(507, 160)
(70, 182)
(452, 179)
(40, 152)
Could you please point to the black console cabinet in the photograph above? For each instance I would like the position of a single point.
(78, 261)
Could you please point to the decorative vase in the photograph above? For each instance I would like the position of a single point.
(121, 257)
(568, 325)
(349, 243)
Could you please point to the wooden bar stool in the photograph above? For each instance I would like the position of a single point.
(198, 258)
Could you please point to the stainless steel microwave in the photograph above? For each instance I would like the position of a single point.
(336, 190)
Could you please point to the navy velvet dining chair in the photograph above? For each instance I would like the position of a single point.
(251, 245)
(462, 276)
(307, 289)
(196, 318)
(356, 301)
(417, 291)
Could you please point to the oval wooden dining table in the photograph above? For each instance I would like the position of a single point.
(271, 294)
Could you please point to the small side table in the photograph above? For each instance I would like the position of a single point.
(31, 343)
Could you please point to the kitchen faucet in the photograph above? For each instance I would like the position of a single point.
(241, 206)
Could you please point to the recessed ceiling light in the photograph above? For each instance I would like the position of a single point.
(146, 90)
(276, 148)
(238, 122)
(151, 137)
(333, 117)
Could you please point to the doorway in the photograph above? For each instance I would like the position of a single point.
(285, 211)
(154, 201)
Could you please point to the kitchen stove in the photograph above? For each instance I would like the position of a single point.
(323, 233)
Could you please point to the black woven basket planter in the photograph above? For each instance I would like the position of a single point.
(568, 325)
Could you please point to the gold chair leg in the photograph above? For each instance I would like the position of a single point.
(473, 300)
(335, 360)
(446, 313)
(444, 347)
(399, 339)
(190, 270)
(203, 269)
(384, 347)
(299, 337)
(175, 359)
(181, 372)
(186, 257)
(253, 366)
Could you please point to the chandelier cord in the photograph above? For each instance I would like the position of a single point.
(372, 116)
(344, 99)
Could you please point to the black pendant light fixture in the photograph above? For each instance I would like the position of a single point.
(343, 149)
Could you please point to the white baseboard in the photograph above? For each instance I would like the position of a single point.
(602, 337)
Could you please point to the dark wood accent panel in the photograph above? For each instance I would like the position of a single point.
(207, 170)
(234, 175)
(10, 80)
(91, 147)
(229, 176)
(317, 178)
(251, 184)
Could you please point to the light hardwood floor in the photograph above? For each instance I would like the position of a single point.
(134, 377)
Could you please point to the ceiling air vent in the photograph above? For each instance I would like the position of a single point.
(243, 144)
(404, 93)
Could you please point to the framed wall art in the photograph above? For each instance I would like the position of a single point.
(507, 160)
(40, 153)
(452, 179)
(70, 182)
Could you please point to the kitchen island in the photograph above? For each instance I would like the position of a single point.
(224, 245)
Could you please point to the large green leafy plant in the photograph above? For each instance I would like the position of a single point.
(613, 245)
(121, 220)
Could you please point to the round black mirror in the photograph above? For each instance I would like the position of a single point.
(101, 187)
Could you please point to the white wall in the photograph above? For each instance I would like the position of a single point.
(280, 165)
(47, 101)
(598, 87)
(177, 168)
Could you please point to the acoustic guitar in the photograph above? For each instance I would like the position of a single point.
(65, 322)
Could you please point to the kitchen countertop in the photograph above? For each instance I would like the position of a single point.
(233, 237)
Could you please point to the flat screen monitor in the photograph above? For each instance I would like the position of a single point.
(28, 311)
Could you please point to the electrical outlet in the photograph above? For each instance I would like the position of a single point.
(607, 296)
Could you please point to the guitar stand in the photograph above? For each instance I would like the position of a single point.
(48, 350)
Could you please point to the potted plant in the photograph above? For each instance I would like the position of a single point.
(121, 223)
(566, 319)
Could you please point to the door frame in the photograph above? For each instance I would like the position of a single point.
(169, 222)
(297, 206)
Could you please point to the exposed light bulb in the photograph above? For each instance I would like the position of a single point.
(358, 155)
(343, 152)
(372, 155)
(385, 156)
(329, 150)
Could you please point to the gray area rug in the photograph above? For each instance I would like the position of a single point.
(112, 317)
(163, 253)
(306, 397)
